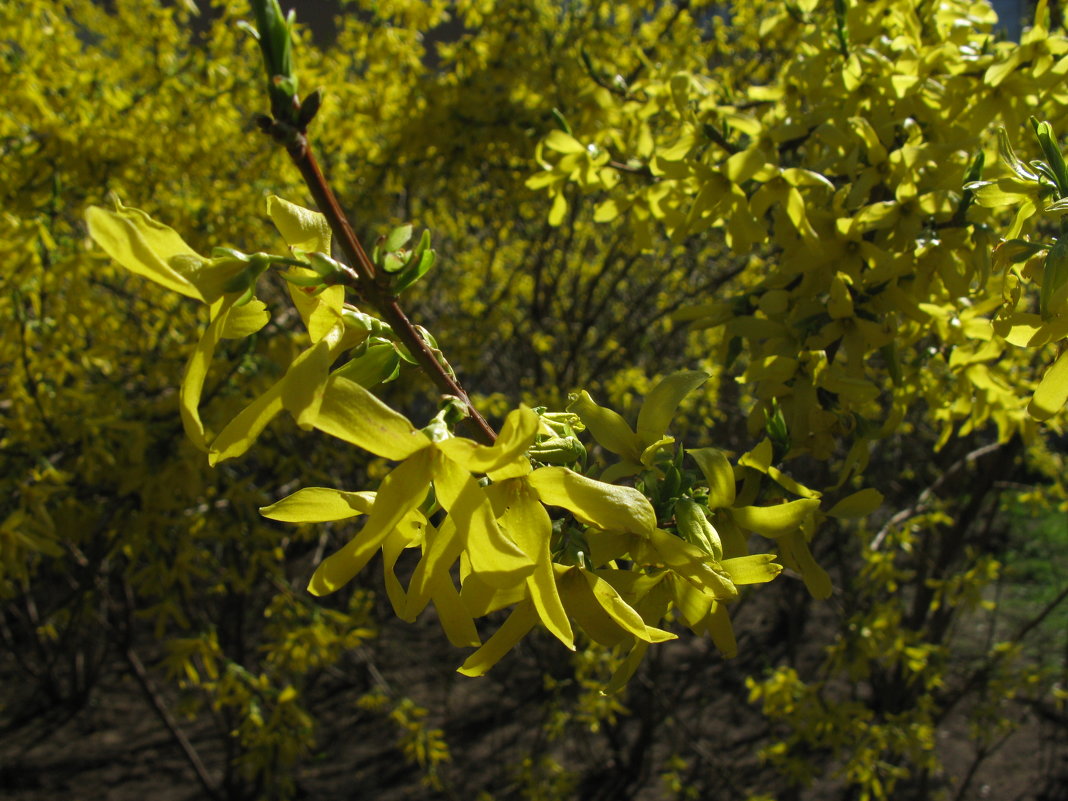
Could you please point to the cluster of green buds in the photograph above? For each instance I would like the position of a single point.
(557, 442)
(451, 410)
(275, 37)
(377, 359)
(402, 264)
(380, 355)
(274, 33)
(666, 482)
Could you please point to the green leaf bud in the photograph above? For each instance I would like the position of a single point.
(694, 527)
(558, 451)
(327, 267)
(398, 237)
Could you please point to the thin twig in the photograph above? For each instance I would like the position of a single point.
(172, 725)
(984, 670)
(923, 502)
(365, 280)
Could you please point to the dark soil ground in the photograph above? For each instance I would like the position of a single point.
(115, 748)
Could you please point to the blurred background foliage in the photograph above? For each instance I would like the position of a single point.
(139, 585)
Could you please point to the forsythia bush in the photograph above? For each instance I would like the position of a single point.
(811, 291)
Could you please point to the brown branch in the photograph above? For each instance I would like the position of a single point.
(926, 499)
(172, 725)
(364, 279)
(981, 673)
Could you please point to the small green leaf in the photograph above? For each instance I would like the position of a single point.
(398, 237)
(378, 364)
(393, 262)
(416, 269)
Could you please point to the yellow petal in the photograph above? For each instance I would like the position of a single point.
(693, 564)
(403, 489)
(246, 320)
(607, 427)
(196, 371)
(302, 229)
(145, 247)
(1052, 391)
(517, 435)
(496, 559)
(756, 569)
(775, 521)
(304, 383)
(455, 620)
(320, 312)
(718, 626)
(527, 522)
(563, 143)
(351, 413)
(718, 473)
(410, 530)
(300, 391)
(692, 604)
(627, 668)
(558, 210)
(795, 549)
(595, 503)
(238, 435)
(586, 611)
(441, 548)
(601, 611)
(514, 628)
(319, 505)
(859, 504)
(660, 404)
(480, 598)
